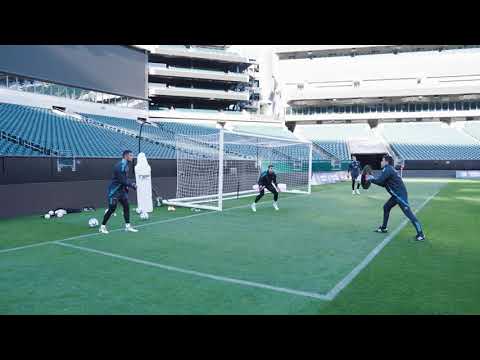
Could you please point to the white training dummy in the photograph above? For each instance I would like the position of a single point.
(143, 175)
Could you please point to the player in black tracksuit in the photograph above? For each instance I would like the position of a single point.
(354, 170)
(267, 180)
(118, 192)
(393, 183)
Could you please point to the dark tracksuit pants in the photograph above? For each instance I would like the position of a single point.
(112, 206)
(390, 204)
(354, 179)
(271, 189)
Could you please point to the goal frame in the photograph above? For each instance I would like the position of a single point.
(198, 201)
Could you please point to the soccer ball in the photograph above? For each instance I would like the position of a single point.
(138, 211)
(144, 216)
(60, 212)
(171, 208)
(93, 222)
(47, 216)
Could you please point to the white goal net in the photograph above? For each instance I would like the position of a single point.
(226, 165)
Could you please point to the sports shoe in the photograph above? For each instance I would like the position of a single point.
(381, 230)
(353, 192)
(103, 229)
(254, 207)
(275, 206)
(358, 192)
(129, 227)
(420, 237)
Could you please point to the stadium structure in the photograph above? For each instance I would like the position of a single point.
(210, 119)
(195, 78)
(419, 103)
(64, 118)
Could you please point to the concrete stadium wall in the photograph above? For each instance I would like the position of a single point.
(442, 165)
(429, 174)
(31, 186)
(38, 198)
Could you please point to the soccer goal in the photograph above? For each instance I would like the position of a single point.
(226, 165)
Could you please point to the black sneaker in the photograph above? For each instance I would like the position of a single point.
(420, 237)
(381, 230)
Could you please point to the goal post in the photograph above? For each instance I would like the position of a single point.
(226, 165)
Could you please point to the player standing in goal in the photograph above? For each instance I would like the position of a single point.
(118, 192)
(393, 183)
(354, 170)
(268, 179)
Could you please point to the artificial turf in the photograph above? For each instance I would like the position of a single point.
(309, 245)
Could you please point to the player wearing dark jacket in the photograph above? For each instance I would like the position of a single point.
(267, 180)
(118, 192)
(393, 183)
(354, 170)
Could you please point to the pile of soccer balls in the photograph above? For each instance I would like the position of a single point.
(57, 213)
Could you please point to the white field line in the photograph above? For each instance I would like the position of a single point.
(138, 226)
(196, 273)
(348, 279)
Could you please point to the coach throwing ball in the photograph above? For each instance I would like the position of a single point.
(393, 183)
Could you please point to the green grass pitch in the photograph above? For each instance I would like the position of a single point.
(314, 256)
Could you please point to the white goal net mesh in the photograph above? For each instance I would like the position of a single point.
(206, 175)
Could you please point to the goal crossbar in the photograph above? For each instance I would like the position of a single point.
(215, 167)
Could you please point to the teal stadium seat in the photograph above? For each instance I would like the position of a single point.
(430, 141)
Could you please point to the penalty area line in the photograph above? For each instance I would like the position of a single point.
(342, 284)
(197, 273)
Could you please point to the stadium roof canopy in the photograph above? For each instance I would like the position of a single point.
(286, 52)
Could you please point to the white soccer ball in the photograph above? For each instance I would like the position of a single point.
(51, 212)
(171, 208)
(60, 212)
(144, 216)
(138, 211)
(93, 222)
(47, 216)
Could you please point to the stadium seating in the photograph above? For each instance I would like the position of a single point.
(165, 132)
(80, 138)
(333, 138)
(67, 135)
(275, 131)
(8, 148)
(430, 141)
